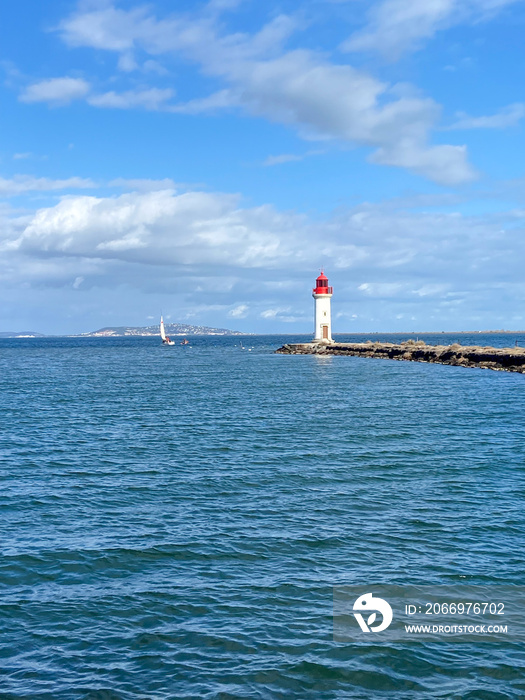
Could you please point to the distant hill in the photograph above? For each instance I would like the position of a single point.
(171, 329)
(21, 334)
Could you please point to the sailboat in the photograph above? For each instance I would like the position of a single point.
(165, 338)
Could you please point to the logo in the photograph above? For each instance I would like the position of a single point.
(367, 603)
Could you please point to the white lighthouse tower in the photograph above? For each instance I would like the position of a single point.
(322, 295)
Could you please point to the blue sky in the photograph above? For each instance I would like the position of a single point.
(207, 158)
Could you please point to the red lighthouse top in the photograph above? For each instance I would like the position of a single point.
(321, 285)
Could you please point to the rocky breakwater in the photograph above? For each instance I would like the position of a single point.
(500, 359)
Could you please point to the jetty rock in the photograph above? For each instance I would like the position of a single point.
(499, 359)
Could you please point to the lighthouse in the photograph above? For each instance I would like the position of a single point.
(322, 295)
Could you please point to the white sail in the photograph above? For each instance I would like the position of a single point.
(162, 332)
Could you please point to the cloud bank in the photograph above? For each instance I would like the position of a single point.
(377, 252)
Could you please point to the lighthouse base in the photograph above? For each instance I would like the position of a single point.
(322, 341)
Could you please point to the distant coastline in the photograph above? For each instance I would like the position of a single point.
(179, 329)
(182, 329)
(147, 331)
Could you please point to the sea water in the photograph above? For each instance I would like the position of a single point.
(174, 519)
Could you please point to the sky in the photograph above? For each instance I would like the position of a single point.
(206, 159)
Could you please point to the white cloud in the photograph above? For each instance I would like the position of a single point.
(223, 4)
(506, 117)
(223, 99)
(283, 158)
(290, 157)
(302, 89)
(345, 314)
(143, 184)
(283, 314)
(104, 28)
(27, 183)
(127, 63)
(124, 31)
(151, 99)
(396, 26)
(327, 101)
(380, 289)
(431, 290)
(151, 66)
(22, 156)
(161, 228)
(272, 313)
(446, 165)
(57, 91)
(240, 311)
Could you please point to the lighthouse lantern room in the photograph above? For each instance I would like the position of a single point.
(322, 295)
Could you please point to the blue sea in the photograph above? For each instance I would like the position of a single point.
(174, 519)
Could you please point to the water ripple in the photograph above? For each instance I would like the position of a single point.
(173, 521)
